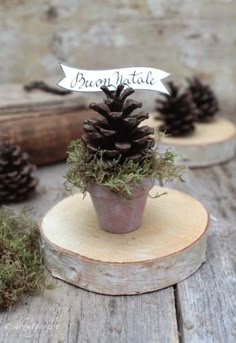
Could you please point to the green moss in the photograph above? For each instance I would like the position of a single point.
(86, 168)
(21, 267)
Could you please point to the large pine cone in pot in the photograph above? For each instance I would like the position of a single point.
(117, 133)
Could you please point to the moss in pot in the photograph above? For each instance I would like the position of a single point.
(117, 161)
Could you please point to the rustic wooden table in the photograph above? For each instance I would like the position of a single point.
(199, 309)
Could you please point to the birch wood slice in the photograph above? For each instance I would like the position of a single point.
(168, 247)
(211, 143)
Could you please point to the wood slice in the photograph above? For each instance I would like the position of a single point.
(211, 143)
(168, 247)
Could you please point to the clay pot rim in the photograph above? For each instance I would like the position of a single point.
(137, 190)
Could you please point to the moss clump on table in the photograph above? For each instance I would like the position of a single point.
(21, 265)
(119, 177)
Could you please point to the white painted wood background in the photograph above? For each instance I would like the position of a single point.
(184, 37)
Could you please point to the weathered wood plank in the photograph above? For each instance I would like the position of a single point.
(207, 300)
(15, 100)
(69, 314)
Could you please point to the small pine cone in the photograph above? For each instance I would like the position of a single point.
(177, 111)
(118, 133)
(204, 99)
(16, 182)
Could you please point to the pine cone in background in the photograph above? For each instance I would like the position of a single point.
(204, 99)
(177, 111)
(16, 182)
(118, 132)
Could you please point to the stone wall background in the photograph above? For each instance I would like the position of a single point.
(183, 37)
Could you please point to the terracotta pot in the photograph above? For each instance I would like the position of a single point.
(117, 214)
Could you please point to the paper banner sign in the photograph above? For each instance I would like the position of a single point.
(80, 80)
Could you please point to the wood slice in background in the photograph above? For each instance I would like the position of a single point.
(168, 247)
(211, 143)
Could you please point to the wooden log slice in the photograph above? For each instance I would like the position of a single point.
(168, 247)
(210, 144)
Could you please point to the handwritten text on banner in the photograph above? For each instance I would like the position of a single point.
(80, 80)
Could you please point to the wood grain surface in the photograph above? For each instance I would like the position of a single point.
(200, 309)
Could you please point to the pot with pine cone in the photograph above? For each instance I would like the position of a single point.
(117, 161)
(16, 180)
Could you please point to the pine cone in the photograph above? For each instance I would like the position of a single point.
(204, 99)
(118, 132)
(177, 111)
(16, 182)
